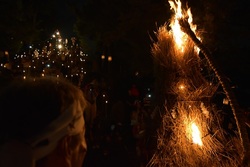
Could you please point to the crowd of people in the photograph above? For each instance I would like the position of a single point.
(122, 131)
(51, 121)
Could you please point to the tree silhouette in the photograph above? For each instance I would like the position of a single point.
(121, 29)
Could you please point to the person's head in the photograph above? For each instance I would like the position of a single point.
(42, 124)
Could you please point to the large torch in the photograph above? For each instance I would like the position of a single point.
(191, 133)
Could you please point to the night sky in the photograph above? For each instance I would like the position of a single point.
(66, 17)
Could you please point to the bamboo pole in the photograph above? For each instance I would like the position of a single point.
(236, 109)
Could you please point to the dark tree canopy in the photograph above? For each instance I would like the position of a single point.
(25, 22)
(121, 29)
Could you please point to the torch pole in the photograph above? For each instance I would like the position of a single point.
(236, 109)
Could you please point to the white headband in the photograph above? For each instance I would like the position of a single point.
(25, 154)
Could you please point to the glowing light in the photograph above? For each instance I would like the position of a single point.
(225, 101)
(196, 134)
(109, 58)
(181, 87)
(103, 57)
(60, 46)
(179, 36)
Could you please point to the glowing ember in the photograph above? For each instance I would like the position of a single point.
(196, 134)
(179, 36)
(181, 87)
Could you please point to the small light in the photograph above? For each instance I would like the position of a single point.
(181, 87)
(60, 46)
(225, 101)
(110, 58)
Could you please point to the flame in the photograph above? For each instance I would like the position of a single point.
(181, 87)
(196, 134)
(179, 36)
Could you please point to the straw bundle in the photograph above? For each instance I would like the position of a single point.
(194, 85)
(176, 147)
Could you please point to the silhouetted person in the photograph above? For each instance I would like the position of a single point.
(42, 124)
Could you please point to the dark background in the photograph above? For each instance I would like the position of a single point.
(123, 29)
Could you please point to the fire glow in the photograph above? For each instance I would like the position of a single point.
(191, 133)
(196, 136)
(179, 36)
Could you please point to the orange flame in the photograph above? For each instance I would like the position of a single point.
(179, 36)
(196, 134)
